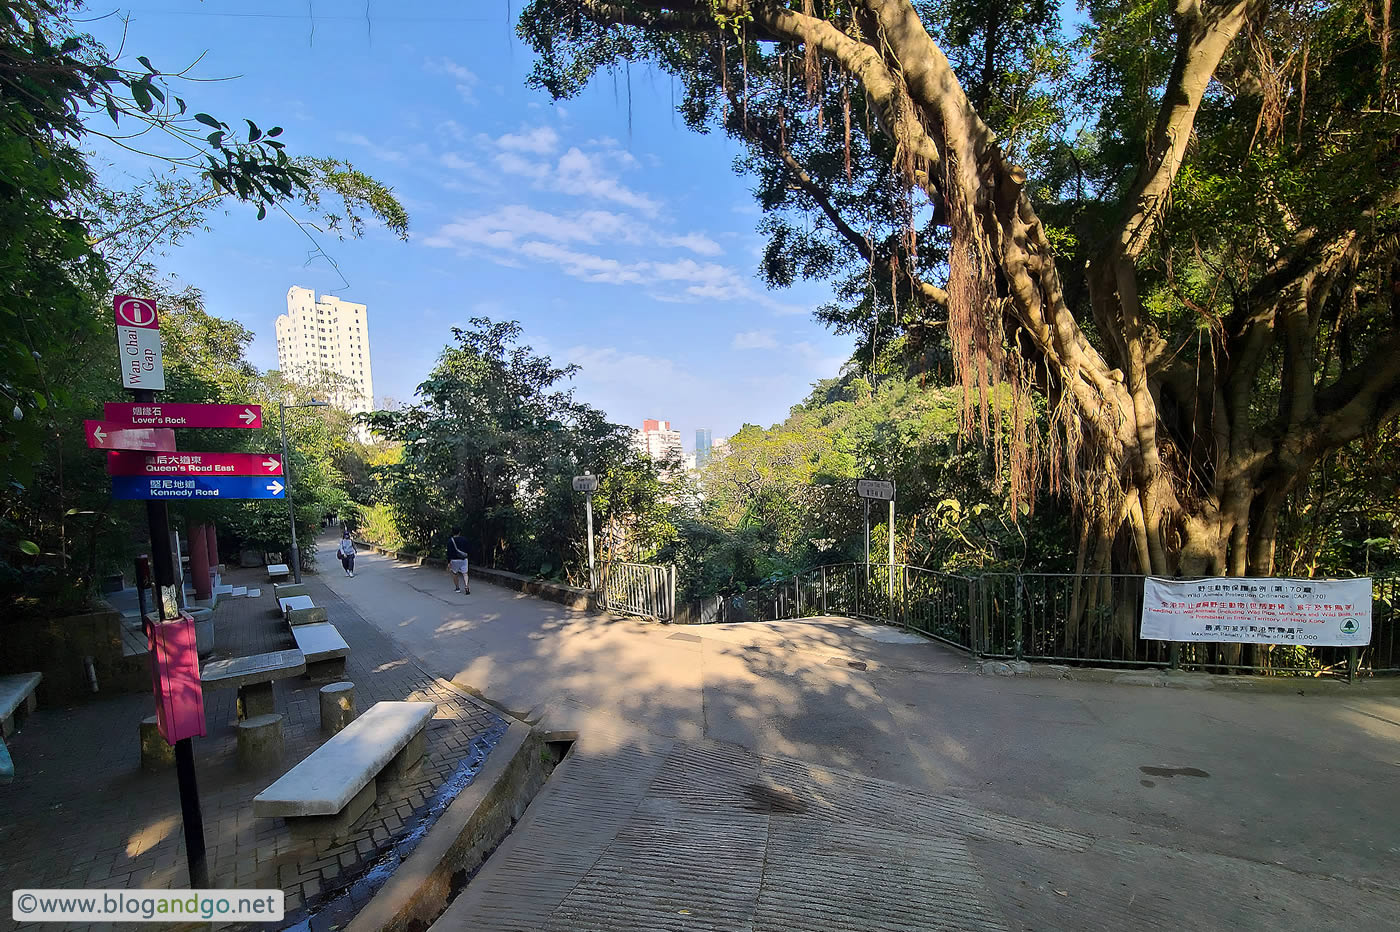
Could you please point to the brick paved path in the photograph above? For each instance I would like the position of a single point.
(81, 813)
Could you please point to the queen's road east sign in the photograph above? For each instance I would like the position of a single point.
(198, 487)
(194, 464)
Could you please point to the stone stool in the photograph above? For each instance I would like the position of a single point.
(337, 706)
(156, 754)
(260, 742)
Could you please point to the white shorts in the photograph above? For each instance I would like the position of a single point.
(457, 566)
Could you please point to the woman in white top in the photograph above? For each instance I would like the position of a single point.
(346, 552)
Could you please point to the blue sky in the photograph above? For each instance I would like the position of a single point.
(620, 240)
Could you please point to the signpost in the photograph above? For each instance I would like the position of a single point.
(104, 435)
(197, 487)
(878, 490)
(193, 464)
(588, 483)
(139, 358)
(181, 414)
(138, 343)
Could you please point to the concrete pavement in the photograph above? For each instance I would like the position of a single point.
(833, 774)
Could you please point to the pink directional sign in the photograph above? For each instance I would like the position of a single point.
(193, 464)
(180, 414)
(103, 435)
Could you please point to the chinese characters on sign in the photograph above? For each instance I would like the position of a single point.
(1314, 612)
(182, 414)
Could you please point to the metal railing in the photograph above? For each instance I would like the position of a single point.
(1057, 618)
(638, 589)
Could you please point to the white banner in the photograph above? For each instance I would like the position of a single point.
(1312, 612)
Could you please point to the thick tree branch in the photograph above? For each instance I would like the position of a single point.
(1204, 32)
(808, 185)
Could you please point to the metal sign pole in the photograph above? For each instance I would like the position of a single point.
(163, 570)
(891, 566)
(867, 542)
(592, 573)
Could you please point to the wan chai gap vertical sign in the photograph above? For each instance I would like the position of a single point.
(138, 343)
(1236, 610)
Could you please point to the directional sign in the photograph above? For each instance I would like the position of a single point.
(193, 464)
(879, 489)
(585, 483)
(150, 414)
(203, 487)
(138, 343)
(104, 435)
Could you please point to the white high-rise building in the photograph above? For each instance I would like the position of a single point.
(658, 440)
(329, 335)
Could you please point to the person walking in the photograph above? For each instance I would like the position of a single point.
(457, 562)
(346, 552)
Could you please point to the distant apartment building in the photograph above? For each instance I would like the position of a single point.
(704, 442)
(658, 440)
(327, 335)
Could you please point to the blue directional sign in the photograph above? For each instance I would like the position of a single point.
(198, 487)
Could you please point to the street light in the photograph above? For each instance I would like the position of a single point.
(287, 474)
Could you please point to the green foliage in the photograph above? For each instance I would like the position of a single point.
(784, 499)
(68, 244)
(491, 448)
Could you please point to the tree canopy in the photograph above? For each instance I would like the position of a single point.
(1176, 224)
(70, 242)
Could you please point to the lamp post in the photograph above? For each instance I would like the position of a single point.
(287, 470)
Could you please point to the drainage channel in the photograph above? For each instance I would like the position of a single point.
(339, 907)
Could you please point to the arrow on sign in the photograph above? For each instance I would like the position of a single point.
(248, 417)
(275, 487)
(100, 434)
(272, 465)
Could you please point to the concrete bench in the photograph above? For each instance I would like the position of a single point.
(17, 700)
(285, 590)
(253, 677)
(276, 571)
(300, 610)
(328, 792)
(325, 651)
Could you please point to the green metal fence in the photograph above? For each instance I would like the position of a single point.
(1057, 618)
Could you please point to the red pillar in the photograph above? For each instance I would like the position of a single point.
(211, 536)
(199, 561)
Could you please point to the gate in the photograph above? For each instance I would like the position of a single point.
(638, 589)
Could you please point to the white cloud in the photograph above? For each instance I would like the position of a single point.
(753, 340)
(609, 365)
(697, 243)
(382, 153)
(585, 174)
(541, 141)
(577, 173)
(519, 222)
(587, 266)
(464, 79)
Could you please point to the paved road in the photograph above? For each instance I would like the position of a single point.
(754, 777)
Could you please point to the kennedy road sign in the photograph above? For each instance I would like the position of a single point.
(193, 464)
(197, 487)
(585, 483)
(138, 343)
(175, 414)
(102, 435)
(878, 489)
